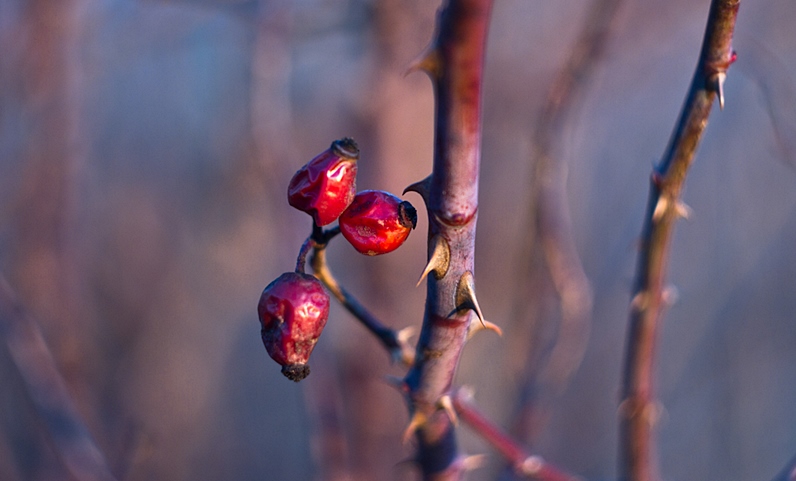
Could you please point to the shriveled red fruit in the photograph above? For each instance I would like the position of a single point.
(377, 222)
(293, 310)
(326, 185)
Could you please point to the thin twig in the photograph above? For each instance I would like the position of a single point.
(526, 465)
(48, 392)
(638, 410)
(396, 342)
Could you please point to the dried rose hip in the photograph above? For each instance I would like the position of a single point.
(326, 185)
(377, 222)
(293, 310)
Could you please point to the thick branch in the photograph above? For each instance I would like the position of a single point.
(638, 409)
(455, 64)
(48, 392)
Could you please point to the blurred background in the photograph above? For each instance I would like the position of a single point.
(145, 150)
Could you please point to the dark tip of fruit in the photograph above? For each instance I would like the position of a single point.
(407, 215)
(296, 372)
(346, 147)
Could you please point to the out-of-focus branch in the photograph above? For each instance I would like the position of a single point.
(788, 473)
(454, 63)
(638, 410)
(524, 464)
(553, 223)
(48, 392)
(396, 342)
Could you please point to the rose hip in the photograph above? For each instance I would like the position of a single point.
(293, 310)
(377, 222)
(326, 185)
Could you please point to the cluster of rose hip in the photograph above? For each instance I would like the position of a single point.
(293, 309)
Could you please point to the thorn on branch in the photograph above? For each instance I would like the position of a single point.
(465, 296)
(439, 261)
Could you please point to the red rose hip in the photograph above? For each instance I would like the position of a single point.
(377, 222)
(326, 185)
(293, 310)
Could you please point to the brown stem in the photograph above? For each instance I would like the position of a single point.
(395, 342)
(48, 392)
(524, 464)
(638, 409)
(455, 64)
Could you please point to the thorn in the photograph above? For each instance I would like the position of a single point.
(486, 325)
(422, 187)
(398, 383)
(428, 62)
(683, 210)
(418, 420)
(446, 403)
(439, 261)
(640, 301)
(404, 353)
(465, 296)
(531, 466)
(660, 208)
(474, 461)
(670, 295)
(465, 393)
(720, 78)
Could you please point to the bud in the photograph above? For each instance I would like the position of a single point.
(293, 310)
(377, 222)
(326, 185)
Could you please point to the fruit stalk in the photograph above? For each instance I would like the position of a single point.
(455, 64)
(638, 409)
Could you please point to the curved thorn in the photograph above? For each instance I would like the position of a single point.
(474, 461)
(422, 187)
(486, 325)
(465, 296)
(683, 210)
(428, 62)
(446, 404)
(439, 261)
(404, 352)
(660, 207)
(418, 420)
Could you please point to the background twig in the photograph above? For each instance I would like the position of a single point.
(638, 409)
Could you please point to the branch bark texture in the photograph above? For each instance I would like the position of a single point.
(638, 410)
(455, 64)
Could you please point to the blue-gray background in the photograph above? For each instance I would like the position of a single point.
(145, 148)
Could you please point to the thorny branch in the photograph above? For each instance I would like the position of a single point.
(48, 392)
(638, 410)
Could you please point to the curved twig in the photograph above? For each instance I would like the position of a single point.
(638, 410)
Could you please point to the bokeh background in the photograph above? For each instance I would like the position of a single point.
(145, 149)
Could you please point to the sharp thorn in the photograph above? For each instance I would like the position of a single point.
(670, 295)
(465, 296)
(418, 420)
(446, 404)
(531, 466)
(639, 302)
(404, 352)
(660, 208)
(683, 210)
(422, 187)
(474, 461)
(428, 62)
(439, 260)
(720, 78)
(486, 325)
